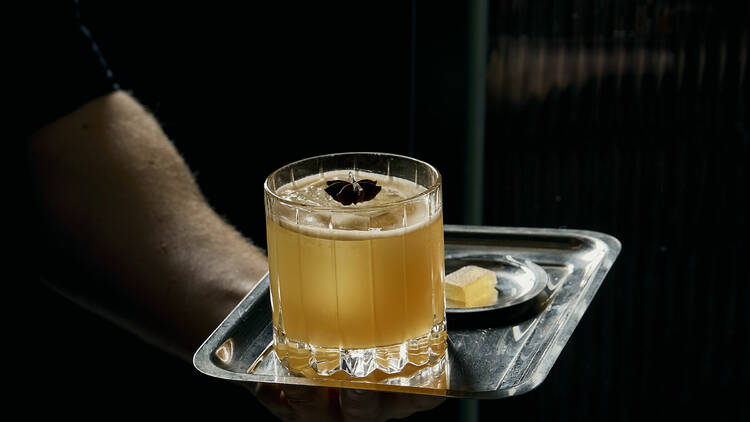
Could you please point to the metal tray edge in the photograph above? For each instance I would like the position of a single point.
(595, 279)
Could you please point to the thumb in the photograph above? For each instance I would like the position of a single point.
(308, 403)
(359, 405)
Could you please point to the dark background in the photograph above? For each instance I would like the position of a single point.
(653, 151)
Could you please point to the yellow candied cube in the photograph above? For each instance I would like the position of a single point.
(471, 286)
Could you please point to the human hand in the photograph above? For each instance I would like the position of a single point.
(302, 403)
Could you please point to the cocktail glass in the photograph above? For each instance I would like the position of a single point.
(356, 287)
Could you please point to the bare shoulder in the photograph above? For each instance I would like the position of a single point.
(113, 128)
(94, 114)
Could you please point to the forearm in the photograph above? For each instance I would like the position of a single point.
(122, 202)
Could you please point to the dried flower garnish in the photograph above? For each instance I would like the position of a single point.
(351, 191)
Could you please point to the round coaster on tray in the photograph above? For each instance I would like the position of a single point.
(518, 280)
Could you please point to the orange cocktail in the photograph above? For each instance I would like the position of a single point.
(356, 286)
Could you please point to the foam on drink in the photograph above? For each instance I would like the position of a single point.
(376, 218)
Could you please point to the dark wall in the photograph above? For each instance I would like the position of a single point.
(630, 118)
(243, 90)
(626, 118)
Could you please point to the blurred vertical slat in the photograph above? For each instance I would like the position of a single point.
(630, 118)
(476, 111)
(627, 118)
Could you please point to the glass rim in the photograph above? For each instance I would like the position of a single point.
(427, 191)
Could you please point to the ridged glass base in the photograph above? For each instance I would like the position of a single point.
(299, 357)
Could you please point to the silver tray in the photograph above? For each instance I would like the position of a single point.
(491, 354)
